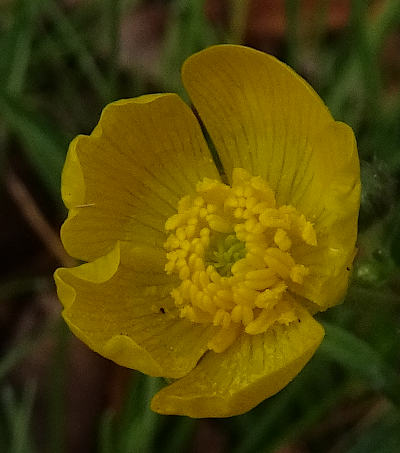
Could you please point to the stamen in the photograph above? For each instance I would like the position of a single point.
(231, 248)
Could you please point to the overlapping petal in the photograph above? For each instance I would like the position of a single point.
(263, 117)
(124, 312)
(124, 180)
(252, 369)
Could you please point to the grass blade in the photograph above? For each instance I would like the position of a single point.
(362, 360)
(44, 147)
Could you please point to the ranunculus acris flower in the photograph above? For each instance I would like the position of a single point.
(210, 274)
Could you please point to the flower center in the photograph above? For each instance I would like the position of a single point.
(226, 250)
(237, 256)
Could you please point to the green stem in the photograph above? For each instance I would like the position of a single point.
(238, 21)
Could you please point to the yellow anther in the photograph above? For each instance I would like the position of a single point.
(260, 274)
(224, 338)
(208, 304)
(248, 191)
(264, 192)
(215, 277)
(225, 304)
(250, 224)
(226, 320)
(212, 288)
(185, 288)
(193, 221)
(218, 223)
(230, 202)
(272, 218)
(176, 294)
(240, 266)
(198, 249)
(298, 272)
(173, 222)
(238, 191)
(260, 324)
(185, 245)
(278, 261)
(236, 313)
(259, 208)
(181, 233)
(261, 279)
(245, 295)
(219, 317)
(242, 202)
(184, 204)
(268, 317)
(240, 176)
(308, 234)
(213, 191)
(282, 240)
(190, 231)
(192, 260)
(247, 315)
(195, 278)
(204, 279)
(198, 201)
(251, 202)
(199, 264)
(255, 260)
(204, 232)
(271, 296)
(225, 295)
(184, 272)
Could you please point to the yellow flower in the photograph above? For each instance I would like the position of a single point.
(211, 278)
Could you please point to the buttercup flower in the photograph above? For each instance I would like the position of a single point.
(205, 276)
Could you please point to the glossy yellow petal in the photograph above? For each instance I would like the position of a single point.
(124, 312)
(124, 180)
(252, 369)
(333, 207)
(263, 117)
(260, 114)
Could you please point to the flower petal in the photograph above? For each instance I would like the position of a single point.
(124, 180)
(109, 305)
(263, 117)
(260, 114)
(333, 206)
(255, 367)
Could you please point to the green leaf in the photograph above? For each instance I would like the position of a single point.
(56, 392)
(74, 42)
(43, 145)
(179, 433)
(106, 433)
(365, 45)
(17, 419)
(188, 32)
(362, 360)
(19, 42)
(382, 436)
(17, 353)
(16, 46)
(139, 423)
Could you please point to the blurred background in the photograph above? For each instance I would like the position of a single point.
(60, 63)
